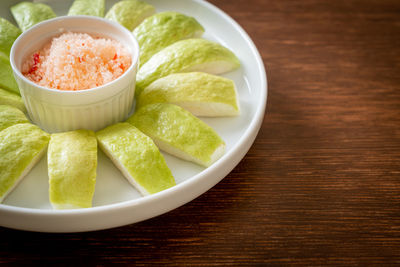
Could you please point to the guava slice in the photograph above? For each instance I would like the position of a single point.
(163, 29)
(8, 34)
(10, 115)
(130, 13)
(72, 163)
(200, 93)
(179, 133)
(87, 7)
(21, 147)
(11, 99)
(186, 56)
(137, 157)
(7, 80)
(27, 14)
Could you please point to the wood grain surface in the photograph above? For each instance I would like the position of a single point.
(321, 184)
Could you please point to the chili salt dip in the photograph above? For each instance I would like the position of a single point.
(77, 61)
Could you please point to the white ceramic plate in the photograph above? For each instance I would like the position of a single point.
(116, 202)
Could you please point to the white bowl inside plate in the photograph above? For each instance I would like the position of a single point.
(116, 203)
(93, 109)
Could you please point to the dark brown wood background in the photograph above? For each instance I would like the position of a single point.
(321, 184)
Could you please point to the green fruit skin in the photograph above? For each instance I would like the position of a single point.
(8, 34)
(178, 128)
(164, 29)
(130, 13)
(183, 56)
(8, 98)
(27, 14)
(87, 7)
(19, 145)
(190, 87)
(139, 156)
(7, 80)
(10, 115)
(72, 163)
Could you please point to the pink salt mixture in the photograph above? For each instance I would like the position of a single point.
(77, 61)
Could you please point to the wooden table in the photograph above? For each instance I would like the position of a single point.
(321, 184)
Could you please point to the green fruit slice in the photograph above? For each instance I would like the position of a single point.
(186, 56)
(7, 80)
(8, 34)
(137, 157)
(10, 115)
(164, 29)
(27, 14)
(130, 13)
(8, 98)
(200, 93)
(72, 163)
(178, 132)
(21, 147)
(87, 7)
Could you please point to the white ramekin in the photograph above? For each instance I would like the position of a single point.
(93, 109)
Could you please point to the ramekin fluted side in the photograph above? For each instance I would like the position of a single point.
(56, 118)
